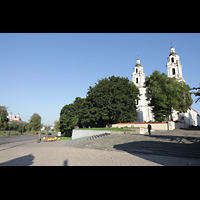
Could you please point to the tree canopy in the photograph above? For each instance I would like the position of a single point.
(35, 122)
(111, 100)
(3, 117)
(57, 126)
(68, 118)
(197, 93)
(166, 94)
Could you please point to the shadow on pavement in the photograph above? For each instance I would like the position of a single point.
(21, 161)
(183, 139)
(144, 148)
(65, 163)
(194, 128)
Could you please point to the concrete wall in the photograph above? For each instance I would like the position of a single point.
(154, 125)
(171, 125)
(76, 133)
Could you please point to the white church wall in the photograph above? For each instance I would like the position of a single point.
(187, 119)
(179, 124)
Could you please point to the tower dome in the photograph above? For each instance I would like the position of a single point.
(172, 51)
(138, 63)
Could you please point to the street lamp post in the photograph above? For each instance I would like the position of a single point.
(38, 139)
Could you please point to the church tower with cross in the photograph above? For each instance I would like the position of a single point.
(138, 78)
(174, 67)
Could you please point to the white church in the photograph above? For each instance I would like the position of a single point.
(174, 69)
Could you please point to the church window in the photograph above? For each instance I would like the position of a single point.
(136, 80)
(173, 71)
(136, 70)
(172, 59)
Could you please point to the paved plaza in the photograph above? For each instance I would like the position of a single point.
(175, 148)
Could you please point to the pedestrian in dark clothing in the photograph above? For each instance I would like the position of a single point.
(149, 129)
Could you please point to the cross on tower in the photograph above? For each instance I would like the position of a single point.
(171, 44)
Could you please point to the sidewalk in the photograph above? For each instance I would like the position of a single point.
(69, 156)
(30, 153)
(179, 132)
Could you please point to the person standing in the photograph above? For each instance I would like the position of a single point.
(149, 128)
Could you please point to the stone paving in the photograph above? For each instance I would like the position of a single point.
(109, 150)
(169, 145)
(49, 154)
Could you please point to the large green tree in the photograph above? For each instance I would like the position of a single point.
(70, 116)
(113, 100)
(35, 122)
(166, 94)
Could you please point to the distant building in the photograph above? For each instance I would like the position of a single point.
(17, 118)
(44, 126)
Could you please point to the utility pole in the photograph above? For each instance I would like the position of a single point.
(22, 127)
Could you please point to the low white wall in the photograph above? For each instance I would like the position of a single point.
(154, 125)
(76, 133)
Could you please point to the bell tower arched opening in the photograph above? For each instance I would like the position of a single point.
(173, 71)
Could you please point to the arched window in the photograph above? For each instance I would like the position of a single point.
(173, 71)
(136, 70)
(172, 59)
(136, 80)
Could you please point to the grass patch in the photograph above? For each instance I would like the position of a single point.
(108, 129)
(13, 132)
(7, 132)
(65, 138)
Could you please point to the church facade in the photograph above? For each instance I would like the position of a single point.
(14, 118)
(174, 69)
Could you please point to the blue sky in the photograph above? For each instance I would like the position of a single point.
(42, 72)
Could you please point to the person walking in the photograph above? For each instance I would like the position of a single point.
(149, 128)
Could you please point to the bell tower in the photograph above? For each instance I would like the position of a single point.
(174, 67)
(138, 77)
(18, 118)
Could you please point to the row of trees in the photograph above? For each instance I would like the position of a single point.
(14, 126)
(33, 125)
(113, 100)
